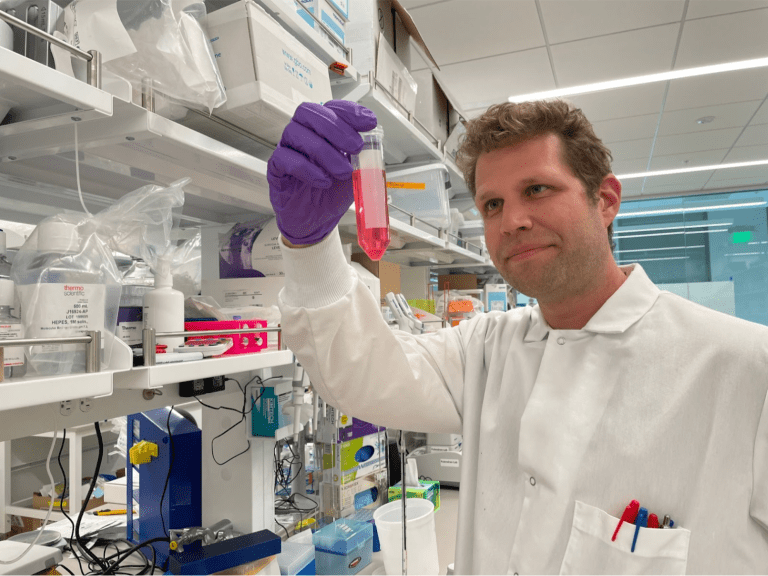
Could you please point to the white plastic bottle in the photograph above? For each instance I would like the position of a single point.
(11, 328)
(63, 293)
(164, 306)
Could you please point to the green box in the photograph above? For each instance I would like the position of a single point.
(430, 490)
(741, 237)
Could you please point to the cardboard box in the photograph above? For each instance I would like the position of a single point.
(40, 502)
(269, 417)
(335, 427)
(342, 7)
(430, 490)
(453, 142)
(348, 461)
(364, 493)
(236, 292)
(388, 273)
(495, 297)
(431, 106)
(457, 281)
(326, 14)
(267, 72)
(394, 76)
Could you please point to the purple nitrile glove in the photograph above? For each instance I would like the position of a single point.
(310, 174)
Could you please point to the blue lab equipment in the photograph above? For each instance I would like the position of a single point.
(182, 454)
(226, 554)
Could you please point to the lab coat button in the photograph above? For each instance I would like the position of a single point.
(561, 340)
(533, 481)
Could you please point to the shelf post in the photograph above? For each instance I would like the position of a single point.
(93, 352)
(149, 344)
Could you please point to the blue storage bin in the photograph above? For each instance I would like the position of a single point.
(344, 547)
(366, 515)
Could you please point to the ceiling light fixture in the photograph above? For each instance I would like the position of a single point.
(646, 79)
(633, 230)
(658, 249)
(705, 120)
(690, 209)
(692, 169)
(672, 234)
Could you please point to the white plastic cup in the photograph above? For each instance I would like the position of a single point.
(421, 537)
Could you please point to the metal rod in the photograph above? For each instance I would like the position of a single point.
(235, 128)
(94, 69)
(405, 499)
(13, 21)
(149, 345)
(93, 352)
(215, 332)
(148, 94)
(45, 341)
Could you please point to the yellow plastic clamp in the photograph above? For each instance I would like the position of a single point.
(143, 452)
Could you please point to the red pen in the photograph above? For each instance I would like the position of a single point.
(630, 515)
(653, 521)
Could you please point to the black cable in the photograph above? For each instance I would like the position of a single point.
(65, 568)
(170, 466)
(126, 553)
(88, 498)
(61, 501)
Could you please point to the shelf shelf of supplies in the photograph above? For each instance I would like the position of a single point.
(132, 148)
(34, 86)
(285, 12)
(34, 390)
(142, 378)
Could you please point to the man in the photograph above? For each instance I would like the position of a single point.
(606, 392)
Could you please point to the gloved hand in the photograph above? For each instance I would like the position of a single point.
(310, 174)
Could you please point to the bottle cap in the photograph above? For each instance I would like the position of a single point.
(58, 237)
(2, 242)
(6, 292)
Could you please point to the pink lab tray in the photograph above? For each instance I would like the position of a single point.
(241, 343)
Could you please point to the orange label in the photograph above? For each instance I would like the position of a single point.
(409, 185)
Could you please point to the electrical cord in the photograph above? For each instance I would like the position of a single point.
(61, 502)
(65, 568)
(77, 173)
(92, 485)
(170, 466)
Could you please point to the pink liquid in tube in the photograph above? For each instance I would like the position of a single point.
(370, 188)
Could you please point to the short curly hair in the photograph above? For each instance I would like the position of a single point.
(508, 124)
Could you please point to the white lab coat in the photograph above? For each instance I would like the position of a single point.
(656, 399)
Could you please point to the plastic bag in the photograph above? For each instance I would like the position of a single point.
(172, 49)
(186, 266)
(67, 279)
(251, 250)
(159, 40)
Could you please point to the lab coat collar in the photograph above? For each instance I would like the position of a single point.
(626, 306)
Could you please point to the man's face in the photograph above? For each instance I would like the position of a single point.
(545, 237)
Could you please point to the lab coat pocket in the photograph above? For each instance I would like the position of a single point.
(591, 551)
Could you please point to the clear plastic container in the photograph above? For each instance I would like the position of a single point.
(424, 194)
(14, 364)
(296, 558)
(421, 537)
(344, 547)
(369, 182)
(68, 286)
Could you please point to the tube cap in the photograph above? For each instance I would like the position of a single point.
(58, 237)
(6, 292)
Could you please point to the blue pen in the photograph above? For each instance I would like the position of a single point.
(641, 521)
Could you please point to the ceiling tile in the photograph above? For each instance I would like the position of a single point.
(631, 149)
(620, 167)
(727, 38)
(703, 8)
(631, 128)
(688, 160)
(621, 103)
(753, 136)
(725, 116)
(747, 154)
(762, 115)
(494, 28)
(567, 20)
(742, 183)
(478, 84)
(707, 140)
(616, 56)
(683, 182)
(749, 172)
(740, 86)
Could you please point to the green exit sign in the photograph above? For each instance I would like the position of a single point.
(741, 237)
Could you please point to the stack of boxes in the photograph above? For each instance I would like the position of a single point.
(353, 454)
(334, 14)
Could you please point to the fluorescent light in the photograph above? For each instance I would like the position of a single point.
(657, 249)
(672, 234)
(631, 230)
(744, 254)
(652, 259)
(690, 209)
(694, 169)
(646, 79)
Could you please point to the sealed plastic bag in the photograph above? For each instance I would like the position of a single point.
(170, 46)
(67, 278)
(186, 266)
(251, 250)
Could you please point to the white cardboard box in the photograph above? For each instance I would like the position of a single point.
(431, 105)
(394, 76)
(235, 292)
(326, 14)
(266, 72)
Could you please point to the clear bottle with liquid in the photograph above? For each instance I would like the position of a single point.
(369, 182)
(14, 365)
(64, 292)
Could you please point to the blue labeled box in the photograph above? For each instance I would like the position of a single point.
(344, 547)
